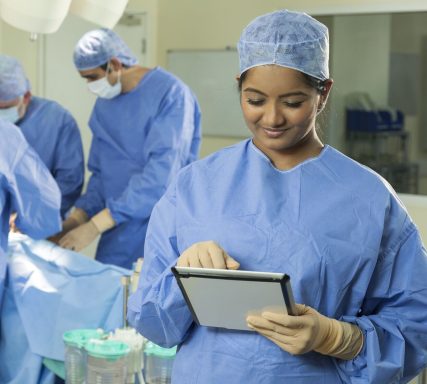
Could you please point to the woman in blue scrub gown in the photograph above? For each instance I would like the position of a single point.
(285, 202)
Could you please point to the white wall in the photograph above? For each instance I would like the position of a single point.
(17, 43)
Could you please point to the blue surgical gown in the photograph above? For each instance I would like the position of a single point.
(140, 141)
(27, 188)
(334, 226)
(55, 136)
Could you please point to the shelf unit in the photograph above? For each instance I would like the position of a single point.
(386, 152)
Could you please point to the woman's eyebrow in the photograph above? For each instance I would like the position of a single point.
(295, 93)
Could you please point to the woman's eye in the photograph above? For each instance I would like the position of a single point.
(255, 101)
(290, 104)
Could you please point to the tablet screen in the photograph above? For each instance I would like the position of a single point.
(224, 298)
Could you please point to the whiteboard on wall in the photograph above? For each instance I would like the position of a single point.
(211, 74)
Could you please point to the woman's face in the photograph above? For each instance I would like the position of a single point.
(280, 110)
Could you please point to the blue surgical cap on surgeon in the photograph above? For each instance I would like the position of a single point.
(97, 47)
(13, 82)
(289, 39)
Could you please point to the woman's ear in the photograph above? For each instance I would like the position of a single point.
(324, 94)
(326, 90)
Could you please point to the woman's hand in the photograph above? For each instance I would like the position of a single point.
(207, 254)
(309, 331)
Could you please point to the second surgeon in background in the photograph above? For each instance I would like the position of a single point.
(146, 126)
(49, 129)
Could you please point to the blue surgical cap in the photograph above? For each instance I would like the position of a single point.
(289, 39)
(13, 82)
(97, 47)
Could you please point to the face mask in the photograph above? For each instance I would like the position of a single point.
(10, 114)
(104, 89)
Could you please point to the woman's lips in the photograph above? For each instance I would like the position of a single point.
(274, 133)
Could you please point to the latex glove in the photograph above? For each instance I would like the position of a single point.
(207, 254)
(12, 223)
(80, 237)
(309, 331)
(77, 217)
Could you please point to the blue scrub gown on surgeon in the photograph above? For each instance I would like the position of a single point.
(27, 188)
(55, 136)
(140, 141)
(334, 226)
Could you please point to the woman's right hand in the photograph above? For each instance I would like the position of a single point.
(206, 254)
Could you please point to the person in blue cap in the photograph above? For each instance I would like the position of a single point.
(49, 128)
(146, 126)
(283, 201)
(27, 189)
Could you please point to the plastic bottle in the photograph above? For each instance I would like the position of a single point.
(158, 363)
(75, 355)
(106, 362)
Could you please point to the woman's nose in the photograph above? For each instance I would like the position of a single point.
(273, 116)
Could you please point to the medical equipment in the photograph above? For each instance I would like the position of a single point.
(135, 359)
(158, 363)
(134, 279)
(75, 354)
(105, 13)
(133, 339)
(106, 362)
(36, 16)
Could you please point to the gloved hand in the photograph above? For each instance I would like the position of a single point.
(80, 237)
(77, 217)
(309, 331)
(207, 254)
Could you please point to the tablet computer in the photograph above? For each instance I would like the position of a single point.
(224, 298)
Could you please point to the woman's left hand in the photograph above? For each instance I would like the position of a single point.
(295, 334)
(308, 331)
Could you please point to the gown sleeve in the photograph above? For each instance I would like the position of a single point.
(35, 196)
(157, 309)
(393, 317)
(168, 145)
(92, 201)
(69, 165)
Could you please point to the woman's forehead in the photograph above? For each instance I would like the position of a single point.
(275, 77)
